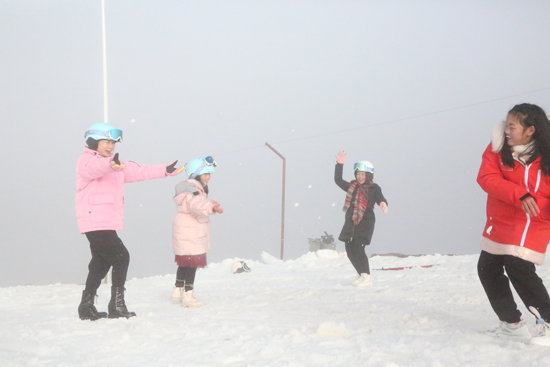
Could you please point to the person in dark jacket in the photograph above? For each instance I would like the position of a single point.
(361, 195)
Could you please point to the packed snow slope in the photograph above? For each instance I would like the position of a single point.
(299, 312)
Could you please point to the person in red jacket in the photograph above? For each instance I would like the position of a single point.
(515, 173)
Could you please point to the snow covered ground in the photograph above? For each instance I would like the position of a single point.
(299, 312)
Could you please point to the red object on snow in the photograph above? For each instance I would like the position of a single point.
(408, 267)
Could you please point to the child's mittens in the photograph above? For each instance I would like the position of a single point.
(117, 166)
(384, 207)
(171, 169)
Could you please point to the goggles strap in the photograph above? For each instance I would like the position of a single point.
(198, 170)
(106, 134)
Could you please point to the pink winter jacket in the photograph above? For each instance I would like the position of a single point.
(190, 224)
(100, 190)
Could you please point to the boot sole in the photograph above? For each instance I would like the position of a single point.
(121, 316)
(92, 318)
(192, 306)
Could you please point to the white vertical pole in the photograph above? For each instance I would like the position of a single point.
(105, 109)
(109, 275)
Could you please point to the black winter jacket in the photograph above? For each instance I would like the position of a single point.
(362, 232)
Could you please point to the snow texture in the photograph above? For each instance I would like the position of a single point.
(291, 313)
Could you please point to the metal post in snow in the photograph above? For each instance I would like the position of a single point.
(283, 206)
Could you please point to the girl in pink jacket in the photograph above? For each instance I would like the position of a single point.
(100, 178)
(190, 238)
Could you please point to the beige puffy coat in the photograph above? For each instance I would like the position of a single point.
(191, 223)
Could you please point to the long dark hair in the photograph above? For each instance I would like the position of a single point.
(531, 115)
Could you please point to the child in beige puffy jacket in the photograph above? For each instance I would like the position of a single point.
(190, 237)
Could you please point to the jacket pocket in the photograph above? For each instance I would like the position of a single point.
(98, 199)
(102, 207)
(203, 219)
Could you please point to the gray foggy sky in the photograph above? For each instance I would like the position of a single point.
(192, 78)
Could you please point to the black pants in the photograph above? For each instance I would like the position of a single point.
(525, 280)
(185, 277)
(107, 250)
(358, 257)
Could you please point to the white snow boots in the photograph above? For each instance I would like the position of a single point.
(543, 335)
(188, 300)
(364, 280)
(513, 331)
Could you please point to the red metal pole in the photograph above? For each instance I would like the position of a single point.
(283, 206)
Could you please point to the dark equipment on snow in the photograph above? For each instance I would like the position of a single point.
(239, 267)
(326, 242)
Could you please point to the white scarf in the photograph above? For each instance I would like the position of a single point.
(522, 153)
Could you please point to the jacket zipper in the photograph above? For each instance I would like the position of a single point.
(526, 180)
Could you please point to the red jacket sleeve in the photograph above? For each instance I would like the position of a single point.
(492, 180)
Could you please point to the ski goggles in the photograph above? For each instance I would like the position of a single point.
(113, 134)
(207, 161)
(359, 166)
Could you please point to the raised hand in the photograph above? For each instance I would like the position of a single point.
(117, 166)
(217, 208)
(171, 169)
(341, 157)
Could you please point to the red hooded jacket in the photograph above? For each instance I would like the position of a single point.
(509, 229)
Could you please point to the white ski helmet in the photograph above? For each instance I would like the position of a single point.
(239, 267)
(363, 166)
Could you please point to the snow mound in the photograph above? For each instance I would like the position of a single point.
(327, 254)
(270, 259)
(300, 312)
(333, 330)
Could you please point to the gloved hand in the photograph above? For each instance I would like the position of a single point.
(116, 166)
(171, 169)
(217, 208)
(384, 207)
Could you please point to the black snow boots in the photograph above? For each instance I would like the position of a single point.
(87, 310)
(117, 306)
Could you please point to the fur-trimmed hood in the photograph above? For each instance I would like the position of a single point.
(497, 137)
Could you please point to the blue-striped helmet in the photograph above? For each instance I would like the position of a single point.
(363, 166)
(199, 166)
